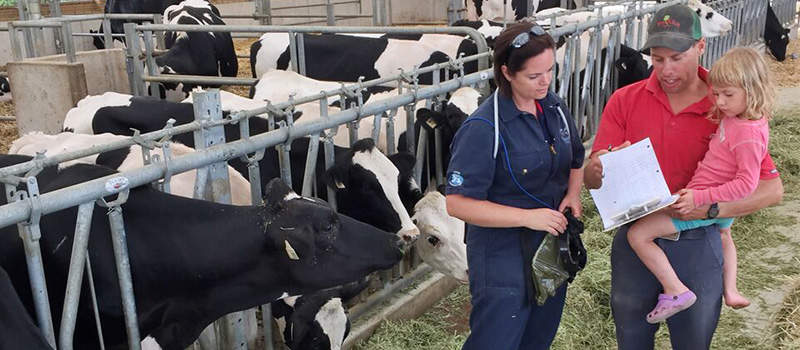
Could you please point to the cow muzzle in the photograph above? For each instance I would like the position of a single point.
(409, 235)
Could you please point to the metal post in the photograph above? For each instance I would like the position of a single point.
(123, 267)
(55, 11)
(77, 264)
(16, 48)
(160, 41)
(311, 164)
(93, 293)
(30, 234)
(301, 53)
(26, 32)
(66, 32)
(263, 11)
(375, 15)
(330, 16)
(293, 51)
(107, 38)
(150, 62)
(135, 71)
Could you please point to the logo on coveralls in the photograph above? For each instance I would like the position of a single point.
(668, 22)
(456, 179)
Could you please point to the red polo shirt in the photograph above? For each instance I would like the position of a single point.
(680, 140)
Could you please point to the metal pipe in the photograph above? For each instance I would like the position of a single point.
(311, 164)
(74, 195)
(69, 46)
(95, 308)
(77, 263)
(135, 66)
(124, 271)
(387, 292)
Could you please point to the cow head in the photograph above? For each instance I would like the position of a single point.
(631, 66)
(5, 90)
(318, 247)
(367, 184)
(775, 35)
(713, 23)
(441, 243)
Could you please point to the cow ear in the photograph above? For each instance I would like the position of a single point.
(276, 193)
(431, 120)
(336, 177)
(253, 89)
(404, 161)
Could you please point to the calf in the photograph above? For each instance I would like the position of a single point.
(441, 242)
(194, 261)
(17, 329)
(775, 35)
(316, 321)
(5, 90)
(195, 53)
(124, 159)
(346, 57)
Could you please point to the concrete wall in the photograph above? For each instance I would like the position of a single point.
(51, 89)
(81, 43)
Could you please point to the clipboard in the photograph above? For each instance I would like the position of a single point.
(633, 185)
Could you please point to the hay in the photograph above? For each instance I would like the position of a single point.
(787, 325)
(787, 73)
(242, 47)
(8, 133)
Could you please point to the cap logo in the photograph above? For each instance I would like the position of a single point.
(668, 22)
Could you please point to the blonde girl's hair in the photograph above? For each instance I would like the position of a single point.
(745, 68)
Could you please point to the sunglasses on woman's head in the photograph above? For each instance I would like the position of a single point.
(523, 38)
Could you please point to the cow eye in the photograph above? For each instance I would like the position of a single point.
(328, 228)
(433, 240)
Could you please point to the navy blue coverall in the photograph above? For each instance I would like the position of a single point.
(502, 318)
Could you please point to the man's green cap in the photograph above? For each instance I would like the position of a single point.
(676, 27)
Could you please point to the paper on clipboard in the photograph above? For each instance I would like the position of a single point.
(633, 185)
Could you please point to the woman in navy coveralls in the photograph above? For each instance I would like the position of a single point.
(545, 153)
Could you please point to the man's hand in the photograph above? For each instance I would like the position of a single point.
(593, 175)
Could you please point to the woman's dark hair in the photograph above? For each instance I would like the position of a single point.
(515, 58)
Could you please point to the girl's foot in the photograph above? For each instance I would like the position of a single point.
(736, 300)
(669, 305)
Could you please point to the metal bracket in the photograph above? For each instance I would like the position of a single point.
(36, 207)
(114, 206)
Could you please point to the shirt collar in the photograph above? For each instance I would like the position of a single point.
(699, 107)
(509, 110)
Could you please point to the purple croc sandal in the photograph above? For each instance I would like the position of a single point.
(669, 305)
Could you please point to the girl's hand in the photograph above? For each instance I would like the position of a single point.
(547, 220)
(685, 203)
(572, 201)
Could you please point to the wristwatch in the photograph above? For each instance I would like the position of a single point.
(713, 211)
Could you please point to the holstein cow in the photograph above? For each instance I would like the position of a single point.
(775, 35)
(195, 53)
(370, 186)
(17, 329)
(489, 29)
(332, 57)
(124, 159)
(5, 90)
(441, 242)
(514, 11)
(129, 7)
(316, 321)
(194, 261)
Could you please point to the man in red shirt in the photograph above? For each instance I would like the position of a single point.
(671, 108)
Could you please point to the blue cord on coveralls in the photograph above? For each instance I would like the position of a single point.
(508, 162)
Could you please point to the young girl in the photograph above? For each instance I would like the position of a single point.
(744, 96)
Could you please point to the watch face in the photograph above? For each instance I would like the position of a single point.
(713, 211)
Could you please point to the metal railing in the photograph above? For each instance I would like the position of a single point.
(264, 12)
(786, 11)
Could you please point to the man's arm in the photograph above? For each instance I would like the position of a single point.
(767, 193)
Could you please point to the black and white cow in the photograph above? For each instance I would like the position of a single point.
(370, 186)
(129, 7)
(489, 29)
(441, 242)
(5, 90)
(316, 321)
(333, 57)
(194, 261)
(17, 329)
(123, 159)
(775, 35)
(514, 11)
(195, 53)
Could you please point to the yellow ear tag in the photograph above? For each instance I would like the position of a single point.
(339, 184)
(290, 251)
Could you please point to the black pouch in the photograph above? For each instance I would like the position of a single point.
(557, 260)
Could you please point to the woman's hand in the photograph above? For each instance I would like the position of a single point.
(547, 220)
(572, 201)
(685, 203)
